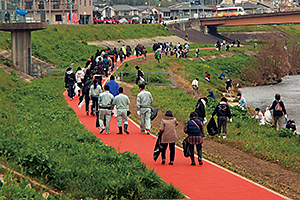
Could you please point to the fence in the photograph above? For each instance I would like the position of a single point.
(15, 16)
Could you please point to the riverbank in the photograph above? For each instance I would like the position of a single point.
(263, 96)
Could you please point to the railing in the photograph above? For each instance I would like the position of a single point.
(16, 16)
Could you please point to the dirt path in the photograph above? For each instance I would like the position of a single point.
(147, 42)
(266, 173)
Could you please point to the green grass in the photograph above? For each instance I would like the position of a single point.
(244, 133)
(65, 44)
(250, 28)
(42, 137)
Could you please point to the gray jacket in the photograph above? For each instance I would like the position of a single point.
(144, 99)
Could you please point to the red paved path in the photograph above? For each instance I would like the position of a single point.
(197, 182)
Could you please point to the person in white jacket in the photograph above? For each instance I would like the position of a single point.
(95, 91)
(79, 78)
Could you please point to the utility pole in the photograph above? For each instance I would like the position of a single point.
(49, 11)
(34, 14)
(70, 17)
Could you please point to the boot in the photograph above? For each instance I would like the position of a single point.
(125, 128)
(120, 131)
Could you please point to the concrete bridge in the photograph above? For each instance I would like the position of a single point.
(209, 25)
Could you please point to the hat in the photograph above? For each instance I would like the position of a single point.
(169, 113)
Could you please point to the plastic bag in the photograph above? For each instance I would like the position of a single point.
(268, 115)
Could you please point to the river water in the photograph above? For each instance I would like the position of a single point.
(263, 96)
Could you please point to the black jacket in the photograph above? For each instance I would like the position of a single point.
(222, 110)
(276, 112)
(69, 78)
(200, 109)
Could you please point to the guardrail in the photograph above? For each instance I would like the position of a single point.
(15, 16)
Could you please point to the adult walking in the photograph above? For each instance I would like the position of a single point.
(194, 129)
(79, 78)
(168, 136)
(113, 86)
(122, 102)
(223, 111)
(95, 91)
(278, 112)
(195, 85)
(105, 107)
(143, 101)
(200, 109)
(69, 82)
(140, 75)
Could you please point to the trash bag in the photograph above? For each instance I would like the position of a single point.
(154, 112)
(268, 115)
(212, 128)
(158, 148)
(186, 147)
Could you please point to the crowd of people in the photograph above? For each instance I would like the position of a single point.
(110, 100)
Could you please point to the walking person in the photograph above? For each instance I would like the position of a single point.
(143, 101)
(223, 111)
(168, 136)
(113, 86)
(195, 131)
(140, 75)
(105, 107)
(95, 91)
(86, 94)
(69, 82)
(200, 109)
(122, 102)
(278, 112)
(79, 78)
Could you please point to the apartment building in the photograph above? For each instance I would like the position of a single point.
(62, 11)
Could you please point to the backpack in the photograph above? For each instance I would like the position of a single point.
(278, 107)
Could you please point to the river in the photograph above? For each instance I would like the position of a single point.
(263, 96)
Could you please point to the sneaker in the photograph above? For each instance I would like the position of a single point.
(142, 131)
(170, 163)
(219, 136)
(224, 136)
(193, 163)
(126, 131)
(119, 133)
(148, 132)
(102, 130)
(163, 162)
(200, 162)
(87, 113)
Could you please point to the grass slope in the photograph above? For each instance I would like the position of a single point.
(244, 133)
(65, 44)
(42, 137)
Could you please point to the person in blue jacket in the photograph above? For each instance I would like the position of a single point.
(195, 131)
(113, 86)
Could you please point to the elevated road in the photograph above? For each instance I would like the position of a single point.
(259, 19)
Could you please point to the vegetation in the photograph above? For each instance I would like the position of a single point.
(245, 132)
(250, 28)
(41, 136)
(64, 44)
(275, 60)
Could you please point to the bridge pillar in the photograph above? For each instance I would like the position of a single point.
(204, 29)
(21, 42)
